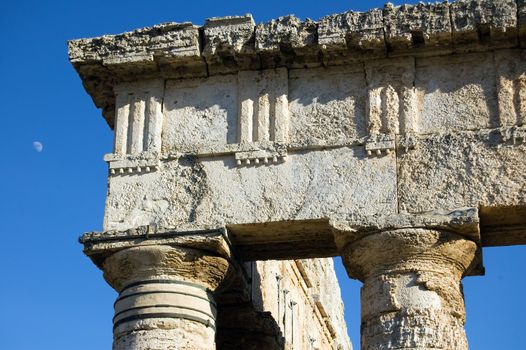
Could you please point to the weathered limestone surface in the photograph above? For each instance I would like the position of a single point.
(279, 41)
(411, 297)
(274, 303)
(229, 43)
(484, 20)
(352, 29)
(197, 112)
(237, 154)
(414, 26)
(233, 43)
(393, 137)
(214, 192)
(327, 105)
(479, 168)
(509, 70)
(456, 93)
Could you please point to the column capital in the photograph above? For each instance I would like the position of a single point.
(166, 282)
(409, 249)
(402, 236)
(100, 245)
(162, 263)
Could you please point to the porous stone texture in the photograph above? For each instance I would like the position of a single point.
(362, 29)
(200, 112)
(478, 168)
(484, 20)
(231, 150)
(456, 93)
(211, 192)
(411, 296)
(281, 41)
(169, 334)
(327, 105)
(511, 87)
(409, 26)
(399, 129)
(231, 44)
(287, 30)
(228, 40)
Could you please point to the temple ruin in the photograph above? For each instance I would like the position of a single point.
(246, 156)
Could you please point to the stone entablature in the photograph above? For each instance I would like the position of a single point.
(400, 100)
(285, 142)
(231, 44)
(420, 81)
(394, 138)
(375, 119)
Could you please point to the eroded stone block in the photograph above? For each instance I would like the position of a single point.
(174, 41)
(298, 190)
(139, 118)
(232, 34)
(417, 26)
(456, 93)
(200, 112)
(358, 30)
(263, 106)
(484, 22)
(327, 105)
(510, 67)
(480, 168)
(229, 43)
(98, 83)
(391, 96)
(351, 36)
(192, 192)
(286, 31)
(287, 41)
(136, 53)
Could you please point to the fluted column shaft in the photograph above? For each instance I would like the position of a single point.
(412, 295)
(165, 297)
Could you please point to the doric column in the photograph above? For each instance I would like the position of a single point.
(412, 295)
(165, 297)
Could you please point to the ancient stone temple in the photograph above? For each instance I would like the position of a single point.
(247, 155)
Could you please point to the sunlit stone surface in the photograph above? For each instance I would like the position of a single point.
(247, 154)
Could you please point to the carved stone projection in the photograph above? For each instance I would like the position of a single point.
(138, 126)
(391, 103)
(246, 155)
(263, 113)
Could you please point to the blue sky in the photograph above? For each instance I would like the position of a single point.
(51, 295)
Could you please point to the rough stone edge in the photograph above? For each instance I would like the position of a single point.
(463, 221)
(99, 245)
(229, 44)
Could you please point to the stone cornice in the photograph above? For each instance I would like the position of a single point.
(230, 44)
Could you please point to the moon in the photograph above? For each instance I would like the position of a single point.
(38, 146)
